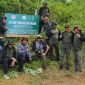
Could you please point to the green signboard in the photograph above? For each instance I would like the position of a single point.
(22, 24)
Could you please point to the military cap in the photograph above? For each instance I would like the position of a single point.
(67, 26)
(53, 23)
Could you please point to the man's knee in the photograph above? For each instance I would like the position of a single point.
(14, 60)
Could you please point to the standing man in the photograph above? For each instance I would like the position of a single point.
(54, 41)
(3, 27)
(66, 43)
(78, 38)
(46, 27)
(43, 12)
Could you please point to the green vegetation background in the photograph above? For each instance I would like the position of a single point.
(61, 11)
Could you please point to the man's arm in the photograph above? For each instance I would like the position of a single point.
(47, 48)
(61, 36)
(82, 37)
(42, 29)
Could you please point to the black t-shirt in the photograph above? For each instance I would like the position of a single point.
(2, 28)
(43, 11)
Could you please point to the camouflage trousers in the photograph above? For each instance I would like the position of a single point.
(51, 52)
(78, 60)
(65, 55)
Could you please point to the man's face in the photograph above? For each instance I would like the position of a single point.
(67, 29)
(39, 40)
(45, 20)
(4, 20)
(10, 45)
(44, 5)
(24, 42)
(76, 30)
(53, 26)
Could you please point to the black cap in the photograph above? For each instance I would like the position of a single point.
(24, 38)
(10, 42)
(53, 23)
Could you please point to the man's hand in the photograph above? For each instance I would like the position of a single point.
(46, 37)
(30, 59)
(47, 14)
(61, 36)
(6, 28)
(42, 18)
(43, 54)
(27, 49)
(78, 35)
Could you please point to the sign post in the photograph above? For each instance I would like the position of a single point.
(22, 24)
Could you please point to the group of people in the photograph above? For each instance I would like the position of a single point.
(9, 55)
(62, 42)
(56, 46)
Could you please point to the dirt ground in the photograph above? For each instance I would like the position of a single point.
(52, 76)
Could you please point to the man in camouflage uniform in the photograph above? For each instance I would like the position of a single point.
(54, 41)
(66, 43)
(78, 38)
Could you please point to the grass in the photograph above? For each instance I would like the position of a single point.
(52, 76)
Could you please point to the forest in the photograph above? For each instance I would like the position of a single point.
(61, 11)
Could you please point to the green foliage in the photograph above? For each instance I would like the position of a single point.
(61, 11)
(33, 65)
(13, 74)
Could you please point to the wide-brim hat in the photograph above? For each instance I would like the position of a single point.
(39, 37)
(10, 42)
(77, 27)
(53, 23)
